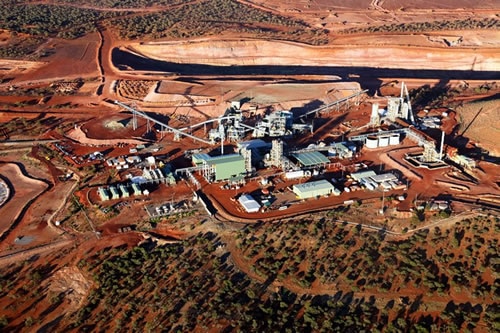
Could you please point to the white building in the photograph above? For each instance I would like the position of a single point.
(249, 203)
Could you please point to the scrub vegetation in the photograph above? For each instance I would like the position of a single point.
(31, 25)
(126, 3)
(312, 275)
(215, 17)
(466, 24)
(50, 20)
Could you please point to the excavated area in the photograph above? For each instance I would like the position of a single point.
(282, 53)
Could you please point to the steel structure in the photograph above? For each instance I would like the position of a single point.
(400, 106)
(176, 131)
(336, 103)
(363, 137)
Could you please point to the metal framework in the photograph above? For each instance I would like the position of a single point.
(336, 103)
(177, 132)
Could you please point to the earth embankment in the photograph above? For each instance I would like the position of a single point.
(282, 53)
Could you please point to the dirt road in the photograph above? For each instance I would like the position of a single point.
(17, 256)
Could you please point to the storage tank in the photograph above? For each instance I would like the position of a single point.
(394, 139)
(443, 206)
(383, 141)
(371, 142)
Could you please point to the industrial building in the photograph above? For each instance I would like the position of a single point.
(249, 203)
(158, 175)
(370, 180)
(124, 191)
(231, 167)
(103, 194)
(256, 144)
(340, 150)
(311, 159)
(357, 176)
(114, 193)
(228, 167)
(136, 189)
(276, 124)
(377, 141)
(314, 189)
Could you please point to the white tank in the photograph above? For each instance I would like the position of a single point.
(443, 206)
(371, 142)
(383, 141)
(394, 139)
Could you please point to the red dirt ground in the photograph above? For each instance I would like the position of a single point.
(24, 189)
(79, 58)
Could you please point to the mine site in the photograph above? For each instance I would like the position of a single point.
(249, 166)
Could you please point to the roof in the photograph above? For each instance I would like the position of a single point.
(200, 157)
(383, 177)
(339, 146)
(225, 159)
(311, 158)
(253, 144)
(316, 185)
(363, 174)
(249, 203)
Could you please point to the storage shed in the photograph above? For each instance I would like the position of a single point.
(357, 176)
(103, 194)
(124, 191)
(136, 189)
(314, 189)
(249, 203)
(311, 158)
(114, 193)
(385, 177)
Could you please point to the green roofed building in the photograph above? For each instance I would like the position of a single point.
(314, 189)
(310, 159)
(227, 167)
(224, 167)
